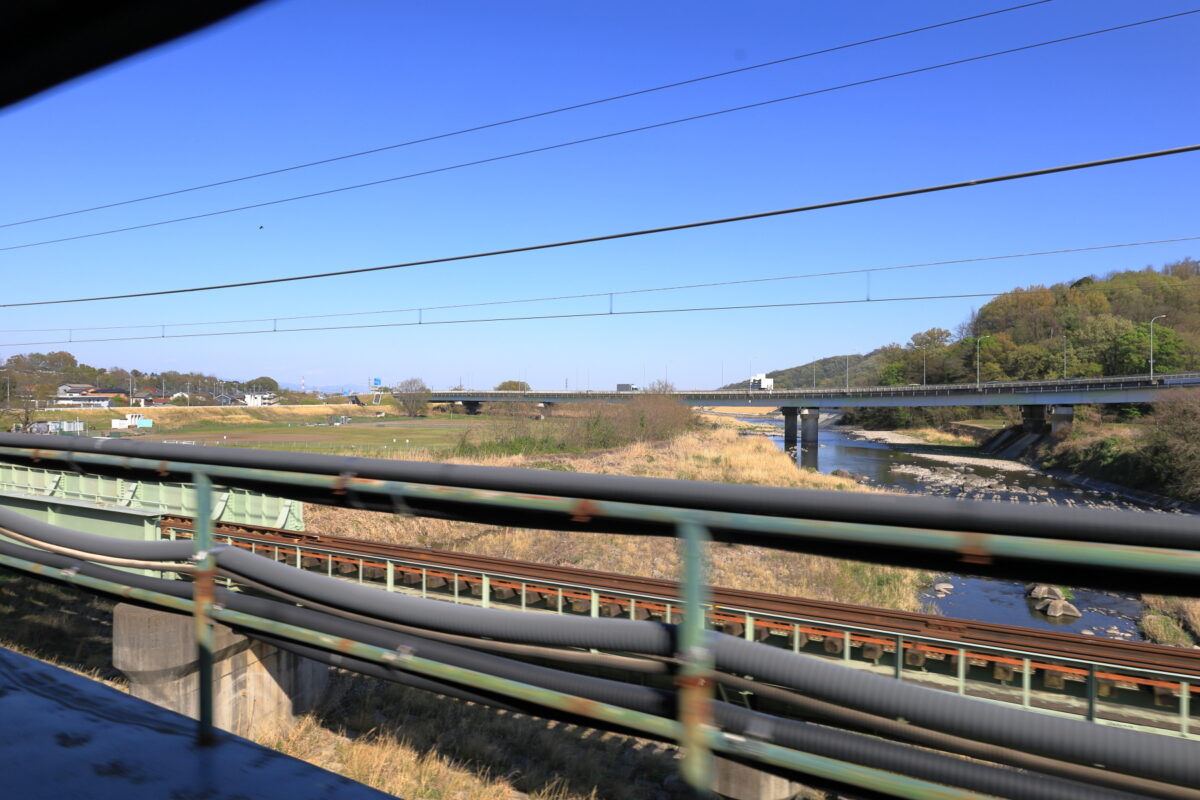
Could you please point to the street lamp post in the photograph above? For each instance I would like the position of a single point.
(1160, 316)
(979, 339)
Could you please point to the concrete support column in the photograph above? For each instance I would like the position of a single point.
(1060, 419)
(256, 687)
(472, 406)
(810, 418)
(790, 415)
(740, 782)
(1033, 419)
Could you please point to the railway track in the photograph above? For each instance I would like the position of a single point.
(756, 615)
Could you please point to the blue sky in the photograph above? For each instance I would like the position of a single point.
(298, 80)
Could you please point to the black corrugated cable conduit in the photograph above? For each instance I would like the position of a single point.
(815, 739)
(1144, 755)
(1165, 530)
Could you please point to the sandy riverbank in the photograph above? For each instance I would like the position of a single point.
(901, 442)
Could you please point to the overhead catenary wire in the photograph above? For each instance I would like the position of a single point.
(588, 139)
(611, 293)
(525, 117)
(636, 233)
(528, 318)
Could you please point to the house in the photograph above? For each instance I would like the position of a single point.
(74, 389)
(71, 394)
(230, 400)
(261, 398)
(89, 397)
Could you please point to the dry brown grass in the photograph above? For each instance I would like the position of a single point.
(1184, 612)
(707, 455)
(420, 746)
(170, 417)
(935, 436)
(745, 411)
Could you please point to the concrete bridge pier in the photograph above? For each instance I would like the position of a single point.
(472, 406)
(256, 687)
(810, 418)
(790, 416)
(1060, 418)
(809, 433)
(1033, 419)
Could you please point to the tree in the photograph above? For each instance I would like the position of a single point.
(412, 395)
(513, 386)
(1132, 350)
(659, 387)
(264, 384)
(22, 411)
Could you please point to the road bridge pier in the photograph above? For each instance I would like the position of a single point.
(1060, 419)
(807, 419)
(257, 688)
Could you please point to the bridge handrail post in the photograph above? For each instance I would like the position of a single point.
(694, 679)
(203, 594)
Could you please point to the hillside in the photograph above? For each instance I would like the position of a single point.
(1087, 328)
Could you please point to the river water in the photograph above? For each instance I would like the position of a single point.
(1105, 614)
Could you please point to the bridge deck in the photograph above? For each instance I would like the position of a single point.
(1117, 389)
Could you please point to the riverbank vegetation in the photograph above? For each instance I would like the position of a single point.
(1157, 452)
(647, 418)
(706, 454)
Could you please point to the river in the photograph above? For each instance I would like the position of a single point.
(1105, 614)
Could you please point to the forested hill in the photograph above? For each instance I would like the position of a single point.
(1091, 327)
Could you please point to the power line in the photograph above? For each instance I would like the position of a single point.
(635, 233)
(526, 117)
(579, 315)
(586, 140)
(615, 293)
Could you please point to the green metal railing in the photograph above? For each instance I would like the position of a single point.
(694, 728)
(1071, 686)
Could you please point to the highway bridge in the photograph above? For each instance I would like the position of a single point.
(1123, 389)
(1049, 402)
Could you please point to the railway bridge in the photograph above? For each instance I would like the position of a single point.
(1049, 402)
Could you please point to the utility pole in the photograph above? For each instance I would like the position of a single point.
(1160, 316)
(1064, 355)
(847, 373)
(924, 353)
(978, 339)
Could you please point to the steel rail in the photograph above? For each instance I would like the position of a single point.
(733, 745)
(1171, 663)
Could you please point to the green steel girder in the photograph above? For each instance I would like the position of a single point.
(236, 506)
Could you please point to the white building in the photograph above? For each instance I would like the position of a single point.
(761, 382)
(261, 398)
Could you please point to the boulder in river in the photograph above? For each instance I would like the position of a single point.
(943, 587)
(1040, 591)
(1058, 608)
